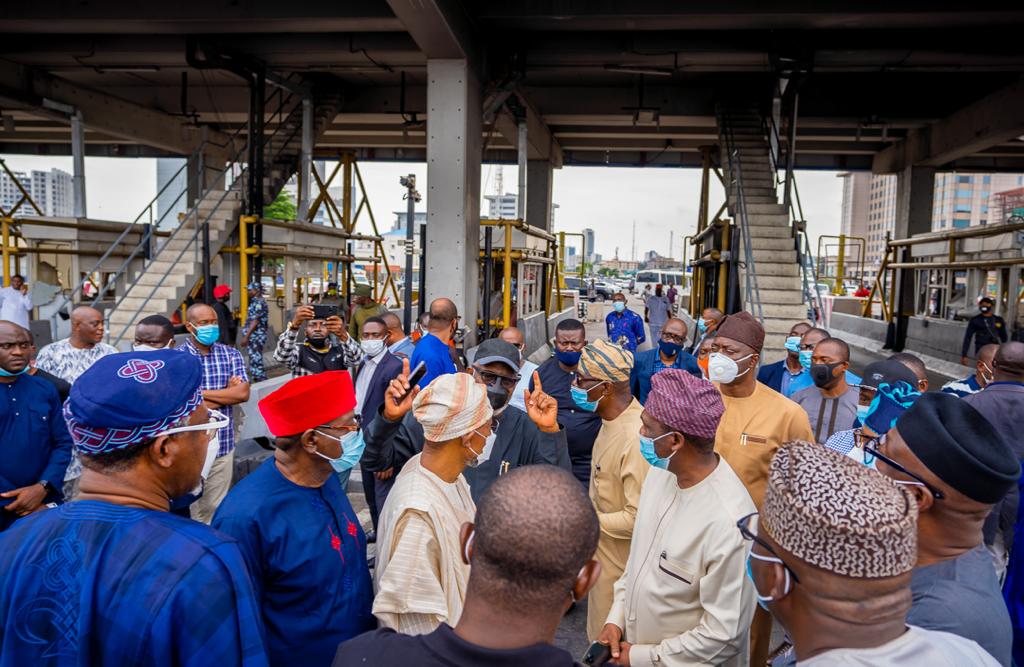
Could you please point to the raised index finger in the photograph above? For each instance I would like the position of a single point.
(405, 366)
(537, 386)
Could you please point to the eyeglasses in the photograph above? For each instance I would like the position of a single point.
(673, 338)
(347, 427)
(871, 453)
(490, 378)
(748, 529)
(578, 381)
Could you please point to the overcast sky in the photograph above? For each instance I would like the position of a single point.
(606, 199)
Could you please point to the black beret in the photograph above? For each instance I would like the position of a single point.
(960, 446)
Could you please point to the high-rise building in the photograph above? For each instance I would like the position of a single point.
(51, 190)
(588, 246)
(502, 206)
(964, 200)
(856, 193)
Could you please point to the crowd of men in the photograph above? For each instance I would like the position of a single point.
(692, 496)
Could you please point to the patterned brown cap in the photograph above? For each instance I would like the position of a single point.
(836, 514)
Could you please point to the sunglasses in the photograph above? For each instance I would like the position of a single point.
(871, 453)
(748, 529)
(490, 378)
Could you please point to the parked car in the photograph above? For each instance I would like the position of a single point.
(603, 291)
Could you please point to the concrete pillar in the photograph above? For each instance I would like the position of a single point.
(306, 159)
(78, 165)
(522, 153)
(915, 189)
(453, 186)
(538, 198)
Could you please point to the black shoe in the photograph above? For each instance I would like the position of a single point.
(371, 536)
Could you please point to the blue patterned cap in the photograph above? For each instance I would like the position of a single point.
(890, 402)
(127, 398)
(255, 284)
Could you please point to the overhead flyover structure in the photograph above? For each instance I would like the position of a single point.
(898, 87)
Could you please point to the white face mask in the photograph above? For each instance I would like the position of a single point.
(148, 348)
(372, 348)
(485, 453)
(724, 370)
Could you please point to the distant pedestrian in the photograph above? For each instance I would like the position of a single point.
(225, 318)
(625, 328)
(707, 325)
(433, 347)
(16, 302)
(985, 328)
(657, 311)
(255, 337)
(363, 308)
(669, 353)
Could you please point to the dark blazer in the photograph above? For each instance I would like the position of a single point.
(771, 375)
(387, 370)
(643, 370)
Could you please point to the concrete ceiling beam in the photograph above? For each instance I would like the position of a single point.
(24, 87)
(992, 120)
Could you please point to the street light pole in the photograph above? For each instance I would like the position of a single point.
(411, 196)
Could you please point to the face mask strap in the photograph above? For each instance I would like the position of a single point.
(222, 422)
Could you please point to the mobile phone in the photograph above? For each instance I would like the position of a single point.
(597, 654)
(322, 312)
(415, 377)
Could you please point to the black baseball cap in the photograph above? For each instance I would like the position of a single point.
(495, 350)
(887, 372)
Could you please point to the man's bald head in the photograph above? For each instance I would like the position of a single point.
(442, 314)
(86, 326)
(675, 327)
(391, 320)
(528, 554)
(1009, 362)
(200, 312)
(513, 336)
(987, 353)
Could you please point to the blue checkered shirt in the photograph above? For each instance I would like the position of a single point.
(219, 366)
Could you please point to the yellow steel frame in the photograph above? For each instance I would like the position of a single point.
(506, 255)
(704, 220)
(561, 259)
(347, 220)
(840, 276)
(7, 223)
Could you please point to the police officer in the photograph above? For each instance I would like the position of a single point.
(986, 328)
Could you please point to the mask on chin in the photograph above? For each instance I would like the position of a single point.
(317, 341)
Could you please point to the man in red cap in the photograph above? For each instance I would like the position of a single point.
(300, 538)
(225, 318)
(757, 420)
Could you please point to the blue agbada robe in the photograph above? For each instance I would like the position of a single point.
(93, 583)
(306, 553)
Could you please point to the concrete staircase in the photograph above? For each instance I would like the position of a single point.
(776, 265)
(171, 275)
(176, 267)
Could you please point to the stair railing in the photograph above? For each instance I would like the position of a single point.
(798, 223)
(194, 213)
(753, 293)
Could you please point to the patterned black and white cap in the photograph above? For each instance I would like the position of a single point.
(838, 515)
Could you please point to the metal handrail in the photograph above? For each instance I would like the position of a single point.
(736, 178)
(195, 235)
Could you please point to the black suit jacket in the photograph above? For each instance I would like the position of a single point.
(387, 370)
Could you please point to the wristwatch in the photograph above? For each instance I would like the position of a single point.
(46, 486)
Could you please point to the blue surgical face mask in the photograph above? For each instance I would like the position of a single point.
(702, 326)
(862, 412)
(793, 344)
(8, 374)
(208, 334)
(579, 396)
(805, 358)
(669, 349)
(619, 306)
(352, 446)
(651, 455)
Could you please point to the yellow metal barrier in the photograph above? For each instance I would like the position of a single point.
(823, 263)
(507, 255)
(7, 220)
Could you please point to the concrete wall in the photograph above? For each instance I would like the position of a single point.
(861, 326)
(938, 338)
(536, 338)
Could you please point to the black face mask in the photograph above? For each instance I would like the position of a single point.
(317, 341)
(498, 397)
(823, 374)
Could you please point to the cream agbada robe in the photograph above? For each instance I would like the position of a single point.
(685, 598)
(420, 579)
(617, 472)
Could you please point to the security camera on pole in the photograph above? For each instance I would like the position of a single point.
(412, 196)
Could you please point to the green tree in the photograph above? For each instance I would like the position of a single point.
(282, 208)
